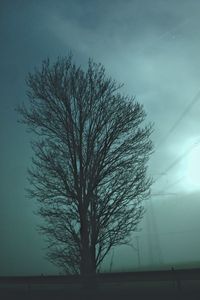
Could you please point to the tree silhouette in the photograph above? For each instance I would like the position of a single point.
(90, 162)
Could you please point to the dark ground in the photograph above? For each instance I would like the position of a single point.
(183, 284)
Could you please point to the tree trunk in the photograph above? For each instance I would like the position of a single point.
(88, 266)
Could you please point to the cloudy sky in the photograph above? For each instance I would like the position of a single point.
(153, 47)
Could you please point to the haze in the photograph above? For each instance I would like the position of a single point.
(153, 47)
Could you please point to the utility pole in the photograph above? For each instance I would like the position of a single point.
(138, 251)
(155, 252)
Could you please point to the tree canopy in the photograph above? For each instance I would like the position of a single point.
(89, 169)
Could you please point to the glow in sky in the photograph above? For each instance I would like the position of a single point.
(153, 47)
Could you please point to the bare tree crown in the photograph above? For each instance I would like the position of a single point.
(90, 161)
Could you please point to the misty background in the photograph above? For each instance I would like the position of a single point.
(153, 47)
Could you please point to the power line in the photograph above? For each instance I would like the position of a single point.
(177, 160)
(162, 192)
(171, 32)
(171, 232)
(182, 116)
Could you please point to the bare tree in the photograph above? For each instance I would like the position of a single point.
(90, 162)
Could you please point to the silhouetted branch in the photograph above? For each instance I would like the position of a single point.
(90, 161)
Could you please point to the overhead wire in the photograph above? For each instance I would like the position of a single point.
(177, 160)
(162, 192)
(182, 116)
(172, 129)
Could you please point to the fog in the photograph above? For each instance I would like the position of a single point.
(153, 48)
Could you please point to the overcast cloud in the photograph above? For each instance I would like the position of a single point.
(153, 48)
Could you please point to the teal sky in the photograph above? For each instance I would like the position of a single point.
(153, 47)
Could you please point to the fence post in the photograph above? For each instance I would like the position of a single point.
(177, 280)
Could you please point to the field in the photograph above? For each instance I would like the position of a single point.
(181, 284)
